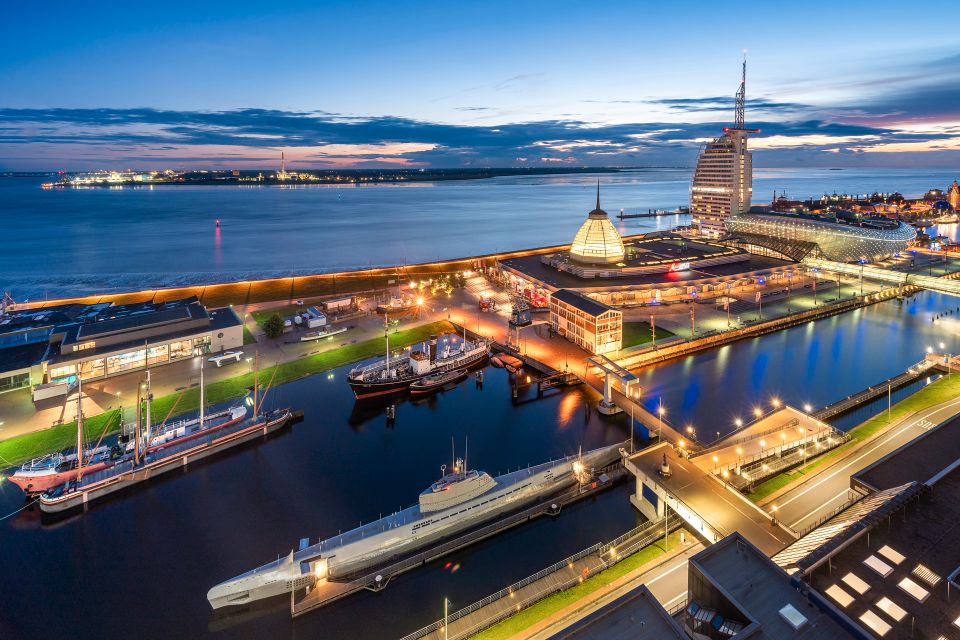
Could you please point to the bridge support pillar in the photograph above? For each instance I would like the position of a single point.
(606, 405)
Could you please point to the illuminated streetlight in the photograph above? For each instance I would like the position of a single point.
(738, 422)
(807, 407)
(776, 403)
(757, 412)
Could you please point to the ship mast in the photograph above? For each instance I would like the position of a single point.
(79, 426)
(386, 338)
(147, 425)
(136, 425)
(201, 392)
(256, 382)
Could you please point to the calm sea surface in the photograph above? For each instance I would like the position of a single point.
(62, 242)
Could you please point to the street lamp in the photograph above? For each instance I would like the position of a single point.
(862, 261)
(807, 407)
(738, 422)
(815, 270)
(763, 443)
(757, 412)
(660, 411)
(776, 403)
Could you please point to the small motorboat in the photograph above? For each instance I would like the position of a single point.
(511, 363)
(436, 381)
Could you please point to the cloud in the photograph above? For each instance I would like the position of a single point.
(94, 138)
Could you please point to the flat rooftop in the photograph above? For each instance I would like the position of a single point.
(532, 267)
(894, 582)
(633, 616)
(763, 594)
(918, 460)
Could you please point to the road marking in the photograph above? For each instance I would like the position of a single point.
(666, 605)
(666, 573)
(887, 437)
(818, 508)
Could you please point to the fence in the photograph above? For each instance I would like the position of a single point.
(643, 536)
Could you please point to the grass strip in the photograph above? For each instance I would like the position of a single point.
(942, 390)
(637, 333)
(30, 445)
(550, 605)
(248, 337)
(263, 315)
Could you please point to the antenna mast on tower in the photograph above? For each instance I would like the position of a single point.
(741, 98)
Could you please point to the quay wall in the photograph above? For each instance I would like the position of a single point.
(652, 355)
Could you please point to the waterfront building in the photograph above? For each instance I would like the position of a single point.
(591, 325)
(597, 241)
(723, 179)
(57, 345)
(953, 196)
(838, 239)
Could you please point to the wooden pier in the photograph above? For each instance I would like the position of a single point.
(305, 601)
(654, 213)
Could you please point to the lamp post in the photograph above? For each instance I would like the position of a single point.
(446, 602)
(660, 418)
(815, 270)
(861, 276)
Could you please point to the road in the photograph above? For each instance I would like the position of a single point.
(829, 487)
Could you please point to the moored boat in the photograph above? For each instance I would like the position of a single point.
(436, 381)
(54, 469)
(457, 501)
(437, 355)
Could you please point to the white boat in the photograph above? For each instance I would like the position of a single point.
(457, 501)
(320, 335)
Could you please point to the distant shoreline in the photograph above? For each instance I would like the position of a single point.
(83, 180)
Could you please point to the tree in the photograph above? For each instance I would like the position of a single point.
(273, 327)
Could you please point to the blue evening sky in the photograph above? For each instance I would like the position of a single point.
(478, 84)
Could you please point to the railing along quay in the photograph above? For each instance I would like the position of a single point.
(850, 403)
(546, 582)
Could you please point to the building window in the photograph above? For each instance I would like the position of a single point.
(16, 381)
(126, 361)
(84, 345)
(62, 373)
(93, 369)
(157, 355)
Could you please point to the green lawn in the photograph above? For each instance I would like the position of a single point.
(21, 448)
(248, 337)
(637, 333)
(946, 388)
(261, 316)
(552, 604)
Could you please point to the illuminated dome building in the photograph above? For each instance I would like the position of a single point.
(597, 241)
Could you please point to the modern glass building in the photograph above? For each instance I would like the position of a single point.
(868, 240)
(597, 240)
(723, 180)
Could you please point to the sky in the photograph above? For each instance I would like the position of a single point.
(489, 84)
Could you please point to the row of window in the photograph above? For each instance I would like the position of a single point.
(131, 360)
(16, 381)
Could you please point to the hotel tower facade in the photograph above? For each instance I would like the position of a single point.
(723, 180)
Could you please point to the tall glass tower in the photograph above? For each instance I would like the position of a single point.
(723, 180)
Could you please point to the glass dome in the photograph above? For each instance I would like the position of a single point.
(597, 241)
